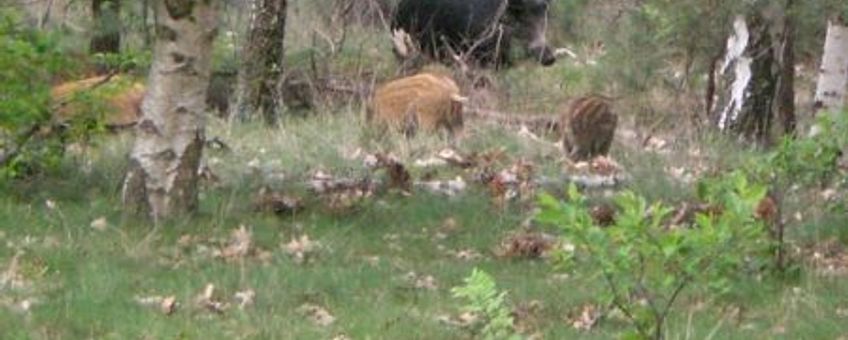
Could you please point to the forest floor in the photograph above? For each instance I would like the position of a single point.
(72, 265)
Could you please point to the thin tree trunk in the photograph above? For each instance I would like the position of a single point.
(45, 18)
(163, 166)
(145, 26)
(260, 79)
(786, 82)
(833, 75)
(107, 26)
(755, 79)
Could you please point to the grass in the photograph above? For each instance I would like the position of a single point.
(84, 281)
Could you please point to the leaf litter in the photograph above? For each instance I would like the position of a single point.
(318, 315)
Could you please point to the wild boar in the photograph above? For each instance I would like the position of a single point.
(429, 101)
(588, 127)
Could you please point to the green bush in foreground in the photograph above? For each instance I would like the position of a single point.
(28, 59)
(646, 264)
(485, 301)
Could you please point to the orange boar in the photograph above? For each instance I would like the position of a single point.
(428, 100)
(121, 98)
(588, 127)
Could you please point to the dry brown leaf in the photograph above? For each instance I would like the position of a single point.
(467, 255)
(421, 282)
(526, 245)
(586, 319)
(605, 166)
(317, 314)
(267, 200)
(168, 305)
(11, 278)
(100, 224)
(603, 215)
(464, 320)
(239, 245)
(185, 241)
(165, 304)
(209, 301)
(301, 248)
(245, 298)
(526, 316)
(767, 210)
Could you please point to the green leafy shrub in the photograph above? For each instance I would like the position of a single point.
(485, 301)
(28, 59)
(646, 264)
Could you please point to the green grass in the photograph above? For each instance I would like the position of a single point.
(85, 281)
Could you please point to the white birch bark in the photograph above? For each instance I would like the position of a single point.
(738, 66)
(833, 74)
(162, 175)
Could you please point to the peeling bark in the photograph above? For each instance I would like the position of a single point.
(833, 74)
(162, 177)
(260, 80)
(756, 77)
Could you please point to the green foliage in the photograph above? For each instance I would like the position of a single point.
(646, 264)
(485, 300)
(28, 59)
(133, 61)
(648, 37)
(813, 159)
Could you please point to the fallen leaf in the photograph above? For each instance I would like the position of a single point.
(603, 215)
(168, 305)
(526, 316)
(464, 320)
(165, 304)
(11, 278)
(267, 200)
(421, 282)
(19, 306)
(239, 245)
(100, 224)
(245, 298)
(317, 314)
(301, 248)
(467, 255)
(207, 300)
(586, 319)
(526, 245)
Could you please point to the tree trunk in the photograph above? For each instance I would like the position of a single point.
(786, 62)
(163, 166)
(756, 78)
(260, 79)
(833, 75)
(145, 26)
(107, 26)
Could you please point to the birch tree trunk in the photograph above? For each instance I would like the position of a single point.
(260, 79)
(106, 37)
(162, 179)
(833, 74)
(755, 79)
